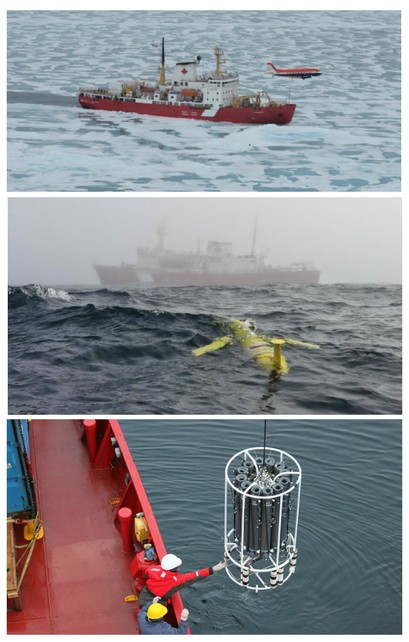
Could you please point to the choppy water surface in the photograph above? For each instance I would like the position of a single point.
(348, 577)
(345, 135)
(112, 351)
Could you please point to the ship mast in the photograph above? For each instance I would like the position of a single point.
(160, 231)
(254, 237)
(218, 53)
(162, 78)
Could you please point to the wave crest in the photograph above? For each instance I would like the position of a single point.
(20, 295)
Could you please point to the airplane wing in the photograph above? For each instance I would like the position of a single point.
(214, 345)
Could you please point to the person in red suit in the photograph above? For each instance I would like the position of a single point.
(164, 580)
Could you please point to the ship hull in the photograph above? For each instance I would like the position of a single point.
(272, 114)
(80, 571)
(127, 275)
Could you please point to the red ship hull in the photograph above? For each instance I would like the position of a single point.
(240, 280)
(78, 573)
(128, 275)
(263, 115)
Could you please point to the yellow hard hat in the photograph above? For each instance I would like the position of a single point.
(156, 611)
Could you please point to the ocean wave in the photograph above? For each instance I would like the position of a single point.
(141, 340)
(35, 292)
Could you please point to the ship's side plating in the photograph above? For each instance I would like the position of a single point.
(278, 114)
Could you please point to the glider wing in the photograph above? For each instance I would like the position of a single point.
(214, 345)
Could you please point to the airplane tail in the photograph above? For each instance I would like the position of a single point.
(271, 65)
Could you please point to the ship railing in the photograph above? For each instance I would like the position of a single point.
(107, 448)
(301, 267)
(225, 76)
(109, 95)
(94, 90)
(207, 77)
(183, 103)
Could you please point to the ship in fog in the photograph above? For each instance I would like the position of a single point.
(217, 265)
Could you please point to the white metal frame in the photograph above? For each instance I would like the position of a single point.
(239, 561)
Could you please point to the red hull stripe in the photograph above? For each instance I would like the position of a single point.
(278, 115)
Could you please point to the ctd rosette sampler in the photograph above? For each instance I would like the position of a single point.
(262, 504)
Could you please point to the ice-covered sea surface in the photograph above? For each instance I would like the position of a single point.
(345, 135)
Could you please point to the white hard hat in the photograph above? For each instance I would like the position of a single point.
(170, 561)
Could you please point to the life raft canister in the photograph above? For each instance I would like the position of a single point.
(141, 527)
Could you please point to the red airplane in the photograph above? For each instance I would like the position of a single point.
(297, 72)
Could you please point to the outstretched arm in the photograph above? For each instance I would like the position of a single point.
(187, 579)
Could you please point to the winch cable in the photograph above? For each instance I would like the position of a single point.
(264, 444)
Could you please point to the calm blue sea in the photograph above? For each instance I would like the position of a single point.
(348, 577)
(345, 135)
(120, 352)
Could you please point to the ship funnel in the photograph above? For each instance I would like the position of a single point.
(262, 501)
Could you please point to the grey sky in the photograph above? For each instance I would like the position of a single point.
(350, 239)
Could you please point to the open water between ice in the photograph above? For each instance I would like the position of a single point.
(345, 135)
(348, 576)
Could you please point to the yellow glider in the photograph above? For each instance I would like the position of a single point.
(265, 351)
